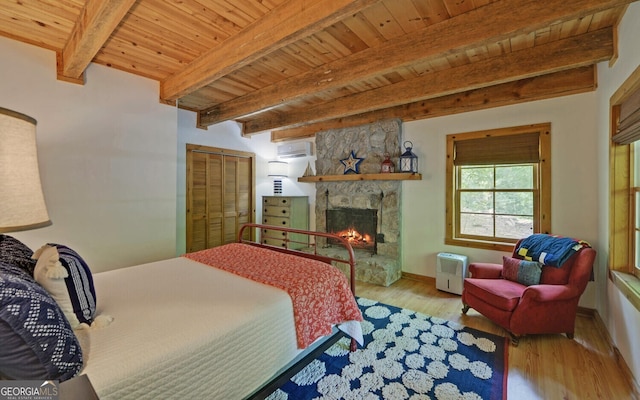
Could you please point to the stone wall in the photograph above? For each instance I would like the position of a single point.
(369, 142)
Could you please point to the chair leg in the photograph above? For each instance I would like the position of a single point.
(465, 308)
(515, 340)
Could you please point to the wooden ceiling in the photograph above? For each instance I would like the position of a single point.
(295, 67)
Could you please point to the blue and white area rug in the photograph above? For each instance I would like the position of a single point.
(407, 355)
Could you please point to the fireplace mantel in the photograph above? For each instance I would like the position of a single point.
(398, 176)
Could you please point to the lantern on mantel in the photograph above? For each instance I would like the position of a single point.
(387, 166)
(408, 160)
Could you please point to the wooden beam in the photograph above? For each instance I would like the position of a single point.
(573, 52)
(468, 30)
(285, 24)
(96, 22)
(541, 87)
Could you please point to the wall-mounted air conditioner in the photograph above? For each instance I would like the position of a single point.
(293, 150)
(451, 271)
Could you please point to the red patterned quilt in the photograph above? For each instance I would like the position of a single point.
(319, 292)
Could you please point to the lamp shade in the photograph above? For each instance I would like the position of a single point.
(278, 168)
(22, 203)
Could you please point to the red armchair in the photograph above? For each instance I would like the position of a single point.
(548, 307)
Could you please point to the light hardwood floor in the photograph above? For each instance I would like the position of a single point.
(545, 367)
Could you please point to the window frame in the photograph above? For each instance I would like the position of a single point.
(623, 188)
(541, 190)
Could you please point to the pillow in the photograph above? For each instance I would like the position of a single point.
(67, 277)
(521, 271)
(14, 252)
(37, 340)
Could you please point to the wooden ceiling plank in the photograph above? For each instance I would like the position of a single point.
(523, 41)
(137, 22)
(49, 37)
(125, 63)
(291, 21)
(366, 35)
(457, 7)
(165, 19)
(117, 45)
(347, 36)
(182, 18)
(455, 34)
(563, 83)
(333, 45)
(94, 25)
(209, 16)
(233, 14)
(384, 22)
(44, 16)
(163, 45)
(287, 64)
(564, 54)
(404, 13)
(431, 12)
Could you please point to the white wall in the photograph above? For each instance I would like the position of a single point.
(107, 153)
(228, 135)
(574, 187)
(621, 317)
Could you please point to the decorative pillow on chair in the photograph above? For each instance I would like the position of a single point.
(67, 277)
(36, 339)
(14, 252)
(521, 271)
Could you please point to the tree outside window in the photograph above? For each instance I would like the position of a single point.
(498, 186)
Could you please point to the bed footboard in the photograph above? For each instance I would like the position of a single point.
(309, 252)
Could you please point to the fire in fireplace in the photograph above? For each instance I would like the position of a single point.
(358, 226)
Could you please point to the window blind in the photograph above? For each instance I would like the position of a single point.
(628, 130)
(509, 149)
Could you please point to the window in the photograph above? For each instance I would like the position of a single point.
(624, 205)
(498, 186)
(634, 214)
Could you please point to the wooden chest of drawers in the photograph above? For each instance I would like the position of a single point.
(288, 212)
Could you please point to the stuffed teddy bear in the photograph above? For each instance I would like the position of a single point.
(67, 278)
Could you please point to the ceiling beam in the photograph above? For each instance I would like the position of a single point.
(563, 83)
(468, 30)
(94, 26)
(285, 24)
(572, 52)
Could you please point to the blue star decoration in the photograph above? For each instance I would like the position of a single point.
(351, 163)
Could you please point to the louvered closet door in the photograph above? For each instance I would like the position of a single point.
(219, 196)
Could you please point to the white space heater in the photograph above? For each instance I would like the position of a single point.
(451, 271)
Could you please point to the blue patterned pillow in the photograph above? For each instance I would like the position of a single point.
(67, 277)
(14, 252)
(525, 272)
(32, 318)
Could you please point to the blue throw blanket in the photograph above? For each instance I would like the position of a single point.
(549, 249)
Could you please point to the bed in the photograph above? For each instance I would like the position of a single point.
(185, 329)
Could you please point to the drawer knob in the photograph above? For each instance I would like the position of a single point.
(284, 211)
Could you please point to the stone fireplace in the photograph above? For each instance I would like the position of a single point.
(380, 264)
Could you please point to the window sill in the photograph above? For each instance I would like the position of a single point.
(478, 244)
(629, 285)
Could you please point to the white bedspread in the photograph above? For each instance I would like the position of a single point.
(185, 351)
